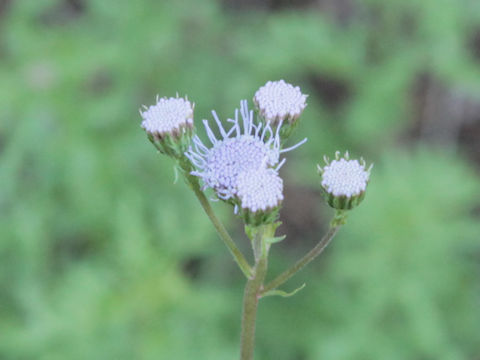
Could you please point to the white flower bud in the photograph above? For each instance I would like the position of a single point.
(260, 193)
(169, 124)
(279, 101)
(344, 181)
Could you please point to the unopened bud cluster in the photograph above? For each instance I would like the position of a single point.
(278, 101)
(344, 181)
(280, 104)
(169, 124)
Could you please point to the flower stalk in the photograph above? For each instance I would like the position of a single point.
(300, 264)
(253, 289)
(222, 232)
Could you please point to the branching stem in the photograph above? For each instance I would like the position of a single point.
(312, 254)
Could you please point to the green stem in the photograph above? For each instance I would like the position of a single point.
(252, 292)
(312, 254)
(186, 167)
(222, 232)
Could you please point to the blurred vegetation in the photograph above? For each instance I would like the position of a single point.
(103, 257)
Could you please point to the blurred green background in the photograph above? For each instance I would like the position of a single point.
(103, 257)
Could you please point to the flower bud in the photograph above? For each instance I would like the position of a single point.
(259, 196)
(169, 125)
(344, 181)
(280, 103)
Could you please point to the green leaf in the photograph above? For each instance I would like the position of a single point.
(276, 239)
(283, 293)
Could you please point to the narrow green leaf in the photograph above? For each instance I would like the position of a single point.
(275, 239)
(283, 293)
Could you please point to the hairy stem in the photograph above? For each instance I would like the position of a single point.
(312, 254)
(252, 292)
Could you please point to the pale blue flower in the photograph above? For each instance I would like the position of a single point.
(245, 146)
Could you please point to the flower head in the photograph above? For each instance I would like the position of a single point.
(344, 181)
(169, 124)
(245, 146)
(260, 194)
(167, 116)
(259, 189)
(279, 101)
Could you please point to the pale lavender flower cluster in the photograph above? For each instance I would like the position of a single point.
(241, 166)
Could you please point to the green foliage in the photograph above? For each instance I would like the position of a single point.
(95, 239)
